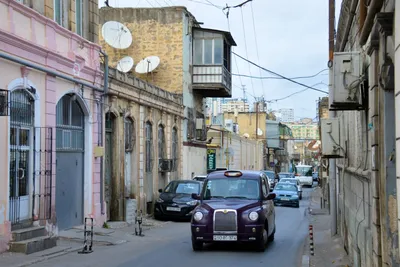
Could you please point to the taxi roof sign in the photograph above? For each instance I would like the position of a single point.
(233, 173)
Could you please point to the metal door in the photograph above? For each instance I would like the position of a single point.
(69, 189)
(21, 156)
(108, 171)
(69, 162)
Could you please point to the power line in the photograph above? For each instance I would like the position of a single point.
(239, 5)
(245, 46)
(279, 75)
(255, 38)
(278, 78)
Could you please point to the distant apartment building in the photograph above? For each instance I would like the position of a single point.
(235, 104)
(304, 131)
(287, 115)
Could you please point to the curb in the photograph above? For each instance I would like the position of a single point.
(45, 258)
(305, 261)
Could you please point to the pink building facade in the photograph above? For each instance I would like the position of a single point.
(50, 125)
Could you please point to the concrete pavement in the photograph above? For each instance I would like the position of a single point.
(328, 251)
(170, 246)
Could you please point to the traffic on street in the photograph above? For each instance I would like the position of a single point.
(170, 245)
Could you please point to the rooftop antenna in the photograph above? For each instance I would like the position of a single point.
(116, 34)
(244, 93)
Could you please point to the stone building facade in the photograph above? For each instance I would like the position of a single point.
(143, 144)
(365, 178)
(51, 86)
(194, 62)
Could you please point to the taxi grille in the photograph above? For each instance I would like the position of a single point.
(225, 221)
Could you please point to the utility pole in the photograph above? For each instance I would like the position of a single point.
(257, 103)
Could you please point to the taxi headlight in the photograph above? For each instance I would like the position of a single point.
(198, 216)
(253, 216)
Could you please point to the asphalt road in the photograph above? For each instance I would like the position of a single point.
(170, 246)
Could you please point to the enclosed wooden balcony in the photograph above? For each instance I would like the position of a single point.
(211, 72)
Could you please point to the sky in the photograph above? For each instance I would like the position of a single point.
(291, 39)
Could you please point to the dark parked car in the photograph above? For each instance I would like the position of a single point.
(286, 195)
(235, 206)
(272, 178)
(200, 178)
(176, 200)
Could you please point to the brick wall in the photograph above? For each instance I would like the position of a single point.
(155, 32)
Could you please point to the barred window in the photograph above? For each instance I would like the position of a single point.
(130, 135)
(149, 146)
(161, 143)
(174, 152)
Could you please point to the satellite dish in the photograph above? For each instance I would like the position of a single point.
(116, 34)
(147, 64)
(259, 131)
(125, 64)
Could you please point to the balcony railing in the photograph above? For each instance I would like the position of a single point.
(214, 80)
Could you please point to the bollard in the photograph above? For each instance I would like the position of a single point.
(310, 230)
(138, 223)
(87, 249)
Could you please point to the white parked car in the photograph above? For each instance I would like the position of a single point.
(304, 174)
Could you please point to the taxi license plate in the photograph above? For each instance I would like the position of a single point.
(285, 198)
(225, 238)
(173, 209)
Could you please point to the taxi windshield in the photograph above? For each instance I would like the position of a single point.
(231, 188)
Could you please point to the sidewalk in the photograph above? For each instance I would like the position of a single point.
(328, 250)
(71, 240)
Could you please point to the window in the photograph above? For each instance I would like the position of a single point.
(208, 51)
(129, 135)
(149, 146)
(161, 143)
(264, 187)
(78, 16)
(58, 12)
(174, 152)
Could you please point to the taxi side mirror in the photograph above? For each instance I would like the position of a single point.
(271, 196)
(195, 196)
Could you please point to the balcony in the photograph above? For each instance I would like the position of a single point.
(211, 73)
(212, 80)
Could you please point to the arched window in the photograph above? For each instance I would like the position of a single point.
(161, 143)
(174, 148)
(130, 135)
(149, 146)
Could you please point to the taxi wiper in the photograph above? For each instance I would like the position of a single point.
(240, 197)
(216, 197)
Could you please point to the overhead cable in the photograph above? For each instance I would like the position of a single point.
(279, 75)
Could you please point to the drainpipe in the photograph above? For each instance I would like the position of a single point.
(102, 130)
(374, 7)
(48, 71)
(332, 114)
(353, 8)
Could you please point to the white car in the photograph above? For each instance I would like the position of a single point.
(304, 174)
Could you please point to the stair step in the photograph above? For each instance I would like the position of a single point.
(33, 245)
(28, 233)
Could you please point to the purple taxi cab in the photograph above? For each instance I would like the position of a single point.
(235, 206)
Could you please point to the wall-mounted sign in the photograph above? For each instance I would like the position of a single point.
(211, 158)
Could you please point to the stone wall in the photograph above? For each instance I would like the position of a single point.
(155, 32)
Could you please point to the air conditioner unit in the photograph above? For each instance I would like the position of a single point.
(199, 124)
(331, 138)
(347, 79)
(165, 165)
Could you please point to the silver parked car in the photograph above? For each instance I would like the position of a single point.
(296, 182)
